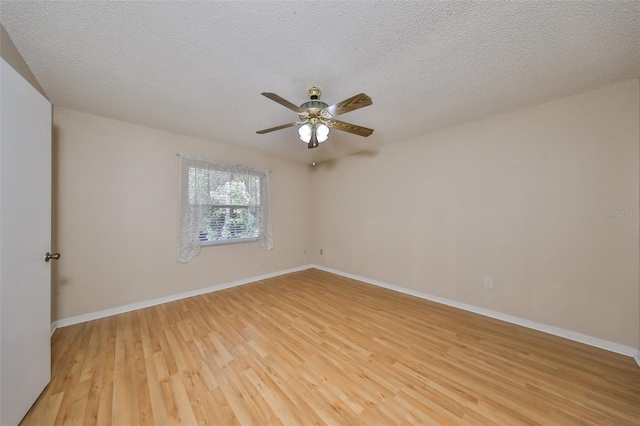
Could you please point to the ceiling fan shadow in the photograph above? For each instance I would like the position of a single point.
(332, 163)
(365, 153)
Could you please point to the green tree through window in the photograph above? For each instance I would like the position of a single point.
(232, 215)
(231, 200)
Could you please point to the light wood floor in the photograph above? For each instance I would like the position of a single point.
(314, 348)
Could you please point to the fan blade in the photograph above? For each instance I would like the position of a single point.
(273, 129)
(282, 101)
(353, 103)
(352, 128)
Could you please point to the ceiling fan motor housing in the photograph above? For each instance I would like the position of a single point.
(313, 108)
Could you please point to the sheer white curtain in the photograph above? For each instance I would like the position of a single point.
(199, 180)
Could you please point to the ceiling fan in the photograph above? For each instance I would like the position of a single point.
(317, 117)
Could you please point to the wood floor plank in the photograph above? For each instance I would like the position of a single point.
(315, 348)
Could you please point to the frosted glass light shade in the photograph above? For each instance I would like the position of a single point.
(305, 132)
(322, 133)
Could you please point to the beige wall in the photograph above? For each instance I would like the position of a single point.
(116, 215)
(522, 198)
(9, 53)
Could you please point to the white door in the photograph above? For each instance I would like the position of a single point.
(25, 236)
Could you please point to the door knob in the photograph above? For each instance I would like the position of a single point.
(48, 256)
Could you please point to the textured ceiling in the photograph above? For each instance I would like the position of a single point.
(198, 68)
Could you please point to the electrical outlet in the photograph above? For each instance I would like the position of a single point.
(488, 282)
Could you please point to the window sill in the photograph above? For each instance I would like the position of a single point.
(226, 242)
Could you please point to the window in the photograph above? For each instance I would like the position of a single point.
(235, 199)
(221, 204)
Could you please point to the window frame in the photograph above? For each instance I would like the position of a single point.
(218, 167)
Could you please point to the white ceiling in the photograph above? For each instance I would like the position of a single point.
(197, 68)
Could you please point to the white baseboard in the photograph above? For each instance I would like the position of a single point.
(556, 331)
(153, 302)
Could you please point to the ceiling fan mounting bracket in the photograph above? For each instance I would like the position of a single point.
(314, 93)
